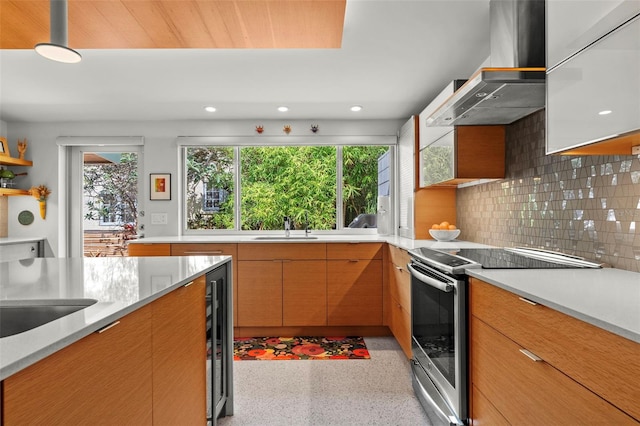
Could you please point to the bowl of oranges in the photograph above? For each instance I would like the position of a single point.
(444, 231)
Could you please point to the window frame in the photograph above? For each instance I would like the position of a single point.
(237, 142)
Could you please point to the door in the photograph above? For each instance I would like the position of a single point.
(104, 186)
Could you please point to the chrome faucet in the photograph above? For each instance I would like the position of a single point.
(307, 231)
(287, 226)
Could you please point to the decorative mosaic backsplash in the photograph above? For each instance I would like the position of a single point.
(587, 206)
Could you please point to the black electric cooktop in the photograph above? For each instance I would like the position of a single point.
(487, 258)
(504, 259)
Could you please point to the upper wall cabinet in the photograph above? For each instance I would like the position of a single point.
(465, 154)
(574, 24)
(593, 84)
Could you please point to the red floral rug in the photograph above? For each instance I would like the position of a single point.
(305, 347)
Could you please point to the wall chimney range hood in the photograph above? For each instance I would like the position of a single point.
(513, 86)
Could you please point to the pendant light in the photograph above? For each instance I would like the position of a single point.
(57, 49)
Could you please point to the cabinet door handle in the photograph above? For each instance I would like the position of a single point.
(204, 252)
(354, 260)
(525, 300)
(531, 355)
(188, 284)
(399, 268)
(103, 329)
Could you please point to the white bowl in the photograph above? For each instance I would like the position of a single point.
(444, 235)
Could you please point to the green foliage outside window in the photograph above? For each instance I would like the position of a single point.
(360, 180)
(112, 181)
(278, 181)
(215, 166)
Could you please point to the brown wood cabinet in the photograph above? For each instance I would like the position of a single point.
(179, 356)
(475, 152)
(535, 365)
(259, 293)
(149, 249)
(304, 293)
(213, 249)
(400, 297)
(354, 284)
(104, 378)
(149, 367)
(278, 284)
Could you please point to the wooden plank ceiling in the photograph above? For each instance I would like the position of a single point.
(148, 24)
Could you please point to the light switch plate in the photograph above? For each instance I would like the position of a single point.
(635, 150)
(159, 219)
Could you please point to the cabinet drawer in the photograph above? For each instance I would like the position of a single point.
(400, 286)
(287, 251)
(607, 364)
(144, 249)
(206, 249)
(398, 256)
(354, 251)
(483, 412)
(526, 392)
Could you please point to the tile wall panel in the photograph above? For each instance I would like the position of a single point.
(583, 205)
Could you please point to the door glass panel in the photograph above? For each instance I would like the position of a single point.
(109, 202)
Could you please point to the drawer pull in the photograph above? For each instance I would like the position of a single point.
(399, 268)
(204, 252)
(525, 300)
(530, 355)
(113, 324)
(354, 260)
(188, 284)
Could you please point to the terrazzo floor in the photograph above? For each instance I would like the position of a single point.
(376, 391)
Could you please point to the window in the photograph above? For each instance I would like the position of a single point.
(210, 180)
(365, 176)
(294, 181)
(270, 182)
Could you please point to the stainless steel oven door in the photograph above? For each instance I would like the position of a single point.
(439, 338)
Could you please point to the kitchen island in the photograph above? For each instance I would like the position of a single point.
(113, 357)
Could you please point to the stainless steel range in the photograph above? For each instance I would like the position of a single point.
(439, 318)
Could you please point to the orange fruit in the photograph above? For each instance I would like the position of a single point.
(435, 226)
(444, 225)
(452, 228)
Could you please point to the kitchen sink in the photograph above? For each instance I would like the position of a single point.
(284, 238)
(18, 316)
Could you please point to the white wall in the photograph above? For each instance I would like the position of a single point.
(160, 156)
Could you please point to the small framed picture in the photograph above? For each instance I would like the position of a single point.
(160, 186)
(4, 147)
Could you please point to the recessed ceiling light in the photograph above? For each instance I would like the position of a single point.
(605, 112)
(283, 108)
(210, 109)
(356, 108)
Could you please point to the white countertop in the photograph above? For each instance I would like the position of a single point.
(17, 240)
(405, 243)
(607, 298)
(119, 284)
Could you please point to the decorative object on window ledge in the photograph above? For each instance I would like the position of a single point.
(41, 193)
(22, 148)
(260, 129)
(4, 147)
(315, 128)
(287, 129)
(160, 186)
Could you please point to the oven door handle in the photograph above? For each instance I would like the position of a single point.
(446, 287)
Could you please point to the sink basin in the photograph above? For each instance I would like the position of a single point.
(284, 238)
(18, 316)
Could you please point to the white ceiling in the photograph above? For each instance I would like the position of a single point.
(396, 56)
